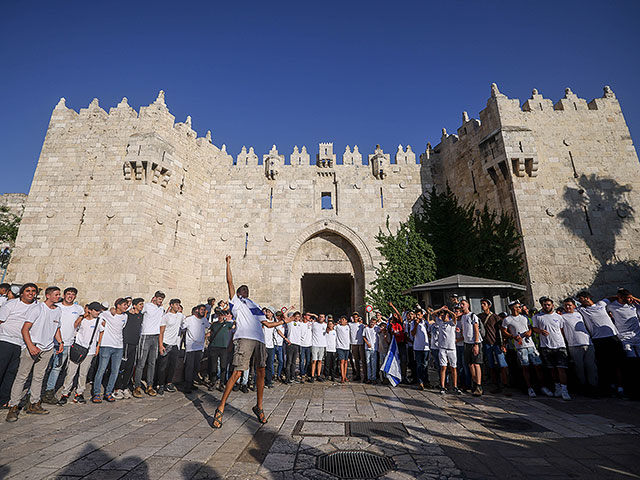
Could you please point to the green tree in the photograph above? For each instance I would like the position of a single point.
(9, 223)
(408, 260)
(449, 228)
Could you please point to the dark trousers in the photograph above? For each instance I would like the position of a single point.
(167, 365)
(191, 366)
(293, 353)
(412, 363)
(127, 366)
(305, 360)
(268, 379)
(215, 354)
(279, 355)
(357, 352)
(330, 364)
(9, 363)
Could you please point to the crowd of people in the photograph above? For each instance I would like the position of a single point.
(53, 349)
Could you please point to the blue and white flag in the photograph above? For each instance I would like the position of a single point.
(391, 364)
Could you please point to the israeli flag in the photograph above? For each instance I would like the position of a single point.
(391, 364)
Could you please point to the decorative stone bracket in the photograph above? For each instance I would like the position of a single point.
(146, 171)
(148, 159)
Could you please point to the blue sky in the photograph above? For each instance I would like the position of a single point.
(299, 73)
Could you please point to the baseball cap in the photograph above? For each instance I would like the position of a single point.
(96, 306)
(514, 303)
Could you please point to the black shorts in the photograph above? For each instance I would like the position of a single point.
(469, 357)
(609, 349)
(554, 357)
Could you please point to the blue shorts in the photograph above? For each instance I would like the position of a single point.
(495, 356)
(528, 355)
(343, 354)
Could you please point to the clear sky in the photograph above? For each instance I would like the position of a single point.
(304, 72)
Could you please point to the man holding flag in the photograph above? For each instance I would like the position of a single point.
(248, 341)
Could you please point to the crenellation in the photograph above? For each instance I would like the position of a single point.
(300, 158)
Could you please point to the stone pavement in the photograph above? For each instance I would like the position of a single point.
(170, 437)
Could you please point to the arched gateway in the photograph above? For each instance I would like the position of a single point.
(330, 268)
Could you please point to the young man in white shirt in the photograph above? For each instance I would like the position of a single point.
(446, 321)
(419, 332)
(549, 324)
(343, 341)
(318, 346)
(269, 333)
(472, 346)
(109, 351)
(13, 314)
(69, 314)
(195, 328)
(305, 345)
(86, 336)
(580, 347)
(279, 340)
(604, 334)
(168, 346)
(332, 351)
(624, 310)
(516, 327)
(370, 338)
(248, 341)
(149, 346)
(294, 337)
(39, 330)
(357, 346)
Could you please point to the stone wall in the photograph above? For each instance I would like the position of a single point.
(569, 174)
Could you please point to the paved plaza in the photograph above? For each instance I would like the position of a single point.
(433, 436)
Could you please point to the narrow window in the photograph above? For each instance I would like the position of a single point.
(503, 168)
(493, 174)
(381, 198)
(271, 198)
(326, 201)
(473, 180)
(573, 165)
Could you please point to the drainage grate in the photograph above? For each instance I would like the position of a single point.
(512, 425)
(355, 464)
(377, 429)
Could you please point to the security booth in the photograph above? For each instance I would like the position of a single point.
(436, 293)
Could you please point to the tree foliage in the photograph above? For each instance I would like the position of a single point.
(9, 223)
(408, 260)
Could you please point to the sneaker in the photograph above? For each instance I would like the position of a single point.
(320, 379)
(546, 391)
(420, 386)
(443, 390)
(151, 392)
(457, 391)
(118, 395)
(126, 393)
(244, 389)
(161, 390)
(49, 397)
(310, 380)
(532, 393)
(221, 387)
(12, 414)
(170, 387)
(236, 387)
(36, 409)
(137, 392)
(565, 394)
(63, 400)
(79, 398)
(109, 398)
(478, 391)
(558, 391)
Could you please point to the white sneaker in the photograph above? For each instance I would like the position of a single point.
(532, 393)
(546, 391)
(118, 395)
(558, 391)
(565, 394)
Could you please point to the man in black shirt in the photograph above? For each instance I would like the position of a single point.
(494, 349)
(130, 338)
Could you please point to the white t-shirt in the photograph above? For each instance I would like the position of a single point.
(306, 334)
(331, 340)
(46, 322)
(295, 332)
(68, 316)
(597, 320)
(151, 319)
(318, 334)
(343, 337)
(625, 318)
(421, 339)
(196, 329)
(517, 326)
(446, 334)
(3, 299)
(552, 323)
(277, 339)
(83, 335)
(433, 336)
(268, 333)
(356, 333)
(575, 330)
(172, 323)
(13, 314)
(468, 321)
(245, 313)
(371, 334)
(112, 326)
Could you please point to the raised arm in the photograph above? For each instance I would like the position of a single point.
(232, 290)
(395, 309)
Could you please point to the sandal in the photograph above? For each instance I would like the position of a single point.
(260, 414)
(96, 399)
(217, 419)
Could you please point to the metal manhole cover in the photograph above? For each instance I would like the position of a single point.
(512, 425)
(377, 429)
(355, 464)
